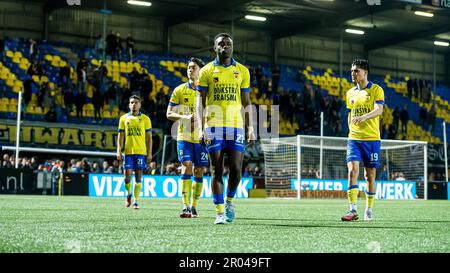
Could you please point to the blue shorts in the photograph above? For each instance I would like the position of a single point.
(194, 152)
(220, 138)
(367, 151)
(135, 162)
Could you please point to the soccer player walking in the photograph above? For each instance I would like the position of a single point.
(365, 103)
(191, 154)
(135, 136)
(224, 86)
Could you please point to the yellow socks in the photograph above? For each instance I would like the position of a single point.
(370, 198)
(128, 186)
(352, 195)
(197, 187)
(137, 190)
(186, 194)
(219, 204)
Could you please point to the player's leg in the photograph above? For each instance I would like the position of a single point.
(369, 175)
(235, 163)
(137, 187)
(128, 174)
(140, 165)
(128, 170)
(185, 151)
(353, 158)
(217, 185)
(197, 187)
(371, 159)
(186, 174)
(200, 160)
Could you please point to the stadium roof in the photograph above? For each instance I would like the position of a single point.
(390, 23)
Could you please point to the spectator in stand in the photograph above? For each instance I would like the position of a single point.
(2, 45)
(409, 87)
(275, 78)
(64, 75)
(100, 45)
(423, 115)
(97, 101)
(153, 170)
(146, 89)
(404, 118)
(247, 172)
(135, 78)
(111, 45)
(95, 168)
(41, 69)
(32, 70)
(416, 89)
(80, 100)
(130, 46)
(259, 75)
(27, 89)
(431, 119)
(6, 163)
(51, 115)
(81, 74)
(119, 46)
(32, 49)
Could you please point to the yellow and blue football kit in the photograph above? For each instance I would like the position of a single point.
(224, 125)
(188, 144)
(364, 138)
(135, 129)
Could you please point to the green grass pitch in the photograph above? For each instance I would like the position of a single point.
(86, 224)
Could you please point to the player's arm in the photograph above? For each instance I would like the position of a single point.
(148, 139)
(247, 104)
(173, 115)
(377, 111)
(120, 139)
(200, 102)
(149, 144)
(120, 143)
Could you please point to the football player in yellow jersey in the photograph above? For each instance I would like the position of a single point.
(365, 102)
(135, 136)
(224, 86)
(190, 153)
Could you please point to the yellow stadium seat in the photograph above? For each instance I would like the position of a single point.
(30, 109)
(48, 57)
(56, 58)
(9, 54)
(12, 108)
(106, 114)
(3, 108)
(4, 101)
(18, 54)
(10, 82)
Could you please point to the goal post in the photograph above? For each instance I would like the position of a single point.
(320, 164)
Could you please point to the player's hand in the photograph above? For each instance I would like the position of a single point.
(251, 138)
(149, 160)
(360, 119)
(119, 157)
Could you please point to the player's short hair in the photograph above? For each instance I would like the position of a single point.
(197, 61)
(136, 97)
(362, 63)
(223, 34)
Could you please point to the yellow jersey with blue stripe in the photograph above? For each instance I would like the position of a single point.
(361, 102)
(135, 129)
(184, 97)
(223, 86)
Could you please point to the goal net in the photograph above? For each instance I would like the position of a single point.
(320, 164)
